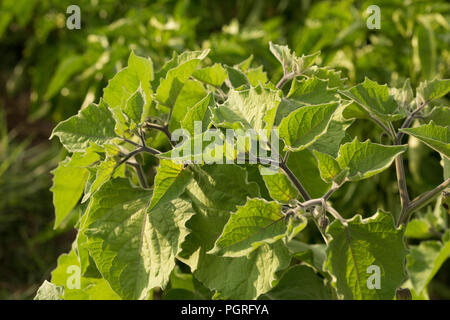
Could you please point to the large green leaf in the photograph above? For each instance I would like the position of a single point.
(304, 126)
(434, 136)
(425, 260)
(237, 77)
(254, 108)
(214, 75)
(363, 243)
(175, 79)
(136, 76)
(94, 124)
(440, 116)
(365, 159)
(245, 277)
(192, 93)
(311, 91)
(252, 225)
(304, 165)
(431, 90)
(69, 180)
(199, 112)
(170, 181)
(299, 283)
(216, 191)
(329, 168)
(375, 99)
(280, 187)
(135, 249)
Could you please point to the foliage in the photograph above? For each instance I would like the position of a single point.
(234, 230)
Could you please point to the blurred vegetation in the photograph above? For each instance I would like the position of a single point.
(47, 73)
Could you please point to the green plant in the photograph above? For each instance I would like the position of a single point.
(240, 231)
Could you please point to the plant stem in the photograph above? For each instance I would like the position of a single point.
(163, 129)
(295, 181)
(408, 121)
(140, 174)
(422, 200)
(286, 77)
(386, 129)
(402, 186)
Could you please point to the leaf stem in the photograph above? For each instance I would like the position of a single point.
(408, 121)
(164, 129)
(295, 181)
(286, 77)
(140, 174)
(422, 200)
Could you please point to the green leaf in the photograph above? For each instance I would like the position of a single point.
(69, 179)
(289, 60)
(418, 229)
(208, 147)
(311, 91)
(375, 99)
(440, 116)
(254, 108)
(170, 181)
(94, 124)
(304, 126)
(100, 175)
(192, 93)
(215, 191)
(299, 283)
(214, 75)
(256, 76)
(67, 275)
(137, 75)
(425, 260)
(134, 249)
(363, 243)
(171, 86)
(329, 168)
(245, 277)
(237, 77)
(280, 187)
(366, 159)
(199, 112)
(330, 141)
(49, 291)
(134, 108)
(434, 136)
(252, 225)
(333, 76)
(313, 255)
(432, 90)
(304, 165)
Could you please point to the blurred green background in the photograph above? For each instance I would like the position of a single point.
(48, 72)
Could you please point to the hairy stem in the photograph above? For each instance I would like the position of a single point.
(295, 181)
(402, 187)
(408, 121)
(422, 200)
(163, 129)
(286, 77)
(140, 174)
